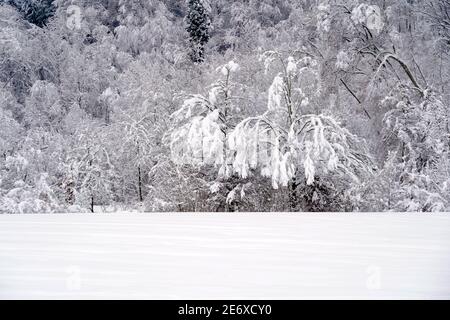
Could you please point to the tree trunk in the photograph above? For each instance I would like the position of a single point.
(92, 203)
(140, 184)
(293, 197)
(70, 194)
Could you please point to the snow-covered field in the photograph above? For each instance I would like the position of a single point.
(209, 256)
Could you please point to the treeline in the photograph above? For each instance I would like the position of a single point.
(224, 105)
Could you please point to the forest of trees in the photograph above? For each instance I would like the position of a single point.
(224, 105)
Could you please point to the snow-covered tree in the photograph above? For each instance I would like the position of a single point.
(43, 106)
(296, 149)
(204, 123)
(198, 25)
(29, 173)
(285, 144)
(35, 11)
(419, 129)
(11, 131)
(89, 172)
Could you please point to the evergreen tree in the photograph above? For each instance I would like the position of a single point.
(34, 11)
(199, 22)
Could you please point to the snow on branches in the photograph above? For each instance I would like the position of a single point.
(281, 143)
(419, 131)
(201, 137)
(315, 145)
(369, 15)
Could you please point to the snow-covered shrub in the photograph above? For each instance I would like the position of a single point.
(27, 197)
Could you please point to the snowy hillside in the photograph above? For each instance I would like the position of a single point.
(224, 105)
(209, 256)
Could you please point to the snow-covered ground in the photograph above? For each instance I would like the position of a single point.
(209, 256)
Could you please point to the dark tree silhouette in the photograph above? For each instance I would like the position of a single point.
(198, 24)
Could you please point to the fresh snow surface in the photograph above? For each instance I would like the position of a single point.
(212, 256)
